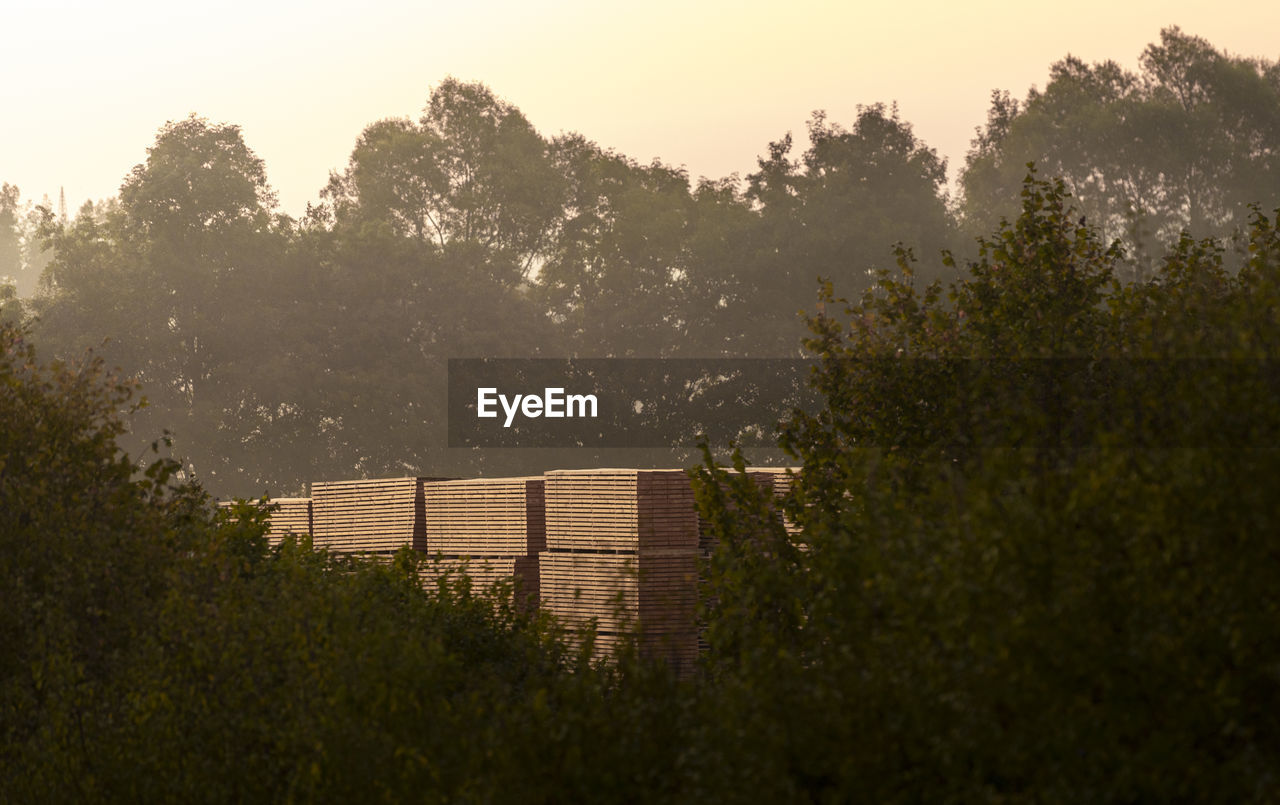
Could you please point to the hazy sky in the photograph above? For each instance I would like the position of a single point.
(87, 84)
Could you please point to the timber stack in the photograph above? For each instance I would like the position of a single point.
(290, 516)
(775, 482)
(618, 553)
(622, 554)
(369, 516)
(494, 528)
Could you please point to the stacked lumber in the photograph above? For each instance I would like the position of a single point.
(602, 645)
(527, 579)
(483, 573)
(291, 516)
(708, 542)
(494, 528)
(619, 510)
(622, 548)
(581, 587)
(485, 516)
(777, 482)
(368, 516)
(782, 478)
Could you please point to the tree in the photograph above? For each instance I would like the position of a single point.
(471, 177)
(837, 213)
(84, 543)
(10, 245)
(1185, 144)
(11, 307)
(1008, 584)
(369, 339)
(170, 273)
(619, 279)
(151, 643)
(199, 182)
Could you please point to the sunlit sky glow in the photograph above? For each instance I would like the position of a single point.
(87, 84)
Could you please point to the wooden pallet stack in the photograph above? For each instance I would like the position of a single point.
(707, 544)
(775, 481)
(622, 550)
(782, 478)
(494, 527)
(369, 516)
(291, 516)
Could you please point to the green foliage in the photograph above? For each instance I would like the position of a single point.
(11, 308)
(1077, 619)
(10, 245)
(472, 177)
(156, 650)
(1186, 143)
(82, 544)
(21, 259)
(621, 261)
(838, 210)
(1017, 579)
(199, 182)
(276, 352)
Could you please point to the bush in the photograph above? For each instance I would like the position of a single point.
(1010, 583)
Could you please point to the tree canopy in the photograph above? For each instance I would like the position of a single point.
(1028, 554)
(1035, 557)
(151, 644)
(278, 351)
(1183, 145)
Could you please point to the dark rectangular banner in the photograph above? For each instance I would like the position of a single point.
(622, 402)
(667, 403)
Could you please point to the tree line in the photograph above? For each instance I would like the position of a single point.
(278, 351)
(1060, 585)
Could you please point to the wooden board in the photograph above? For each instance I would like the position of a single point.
(620, 509)
(653, 596)
(369, 516)
(485, 517)
(291, 516)
(485, 573)
(782, 479)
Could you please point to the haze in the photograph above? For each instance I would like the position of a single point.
(89, 84)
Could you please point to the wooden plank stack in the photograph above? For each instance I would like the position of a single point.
(369, 516)
(483, 571)
(777, 482)
(622, 550)
(579, 587)
(707, 544)
(495, 527)
(782, 479)
(291, 516)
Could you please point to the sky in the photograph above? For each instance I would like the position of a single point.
(707, 86)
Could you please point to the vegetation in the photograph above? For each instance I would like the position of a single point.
(1036, 557)
(1021, 575)
(277, 352)
(961, 617)
(1184, 145)
(156, 651)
